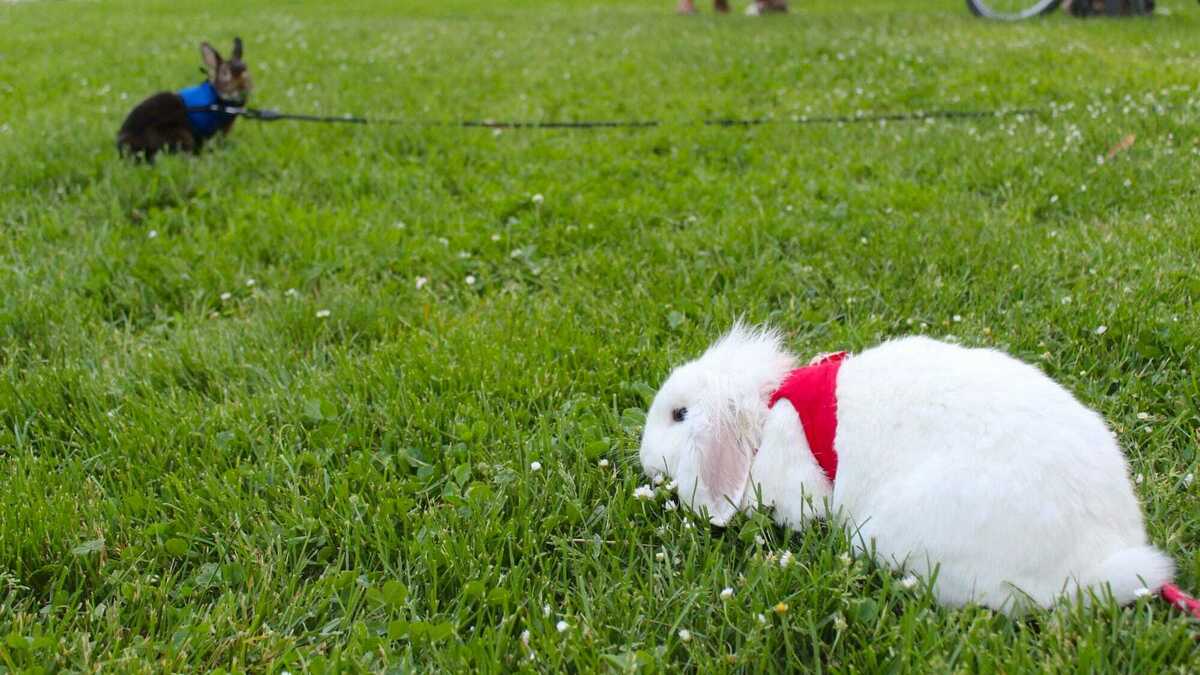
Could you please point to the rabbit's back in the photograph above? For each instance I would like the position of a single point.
(158, 123)
(973, 461)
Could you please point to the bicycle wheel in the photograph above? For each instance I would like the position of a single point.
(1011, 10)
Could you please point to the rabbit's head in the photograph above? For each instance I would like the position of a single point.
(706, 421)
(231, 78)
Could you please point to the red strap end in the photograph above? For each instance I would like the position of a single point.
(1174, 595)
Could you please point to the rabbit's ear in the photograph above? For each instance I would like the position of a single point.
(716, 475)
(739, 373)
(725, 466)
(237, 48)
(212, 60)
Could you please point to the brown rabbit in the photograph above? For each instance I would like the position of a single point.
(174, 121)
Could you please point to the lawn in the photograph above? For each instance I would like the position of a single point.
(278, 407)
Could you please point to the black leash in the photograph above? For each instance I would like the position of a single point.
(275, 115)
(267, 115)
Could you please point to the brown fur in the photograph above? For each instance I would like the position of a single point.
(160, 123)
(231, 78)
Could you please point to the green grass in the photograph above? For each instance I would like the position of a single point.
(191, 483)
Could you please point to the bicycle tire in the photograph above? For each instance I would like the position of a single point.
(983, 8)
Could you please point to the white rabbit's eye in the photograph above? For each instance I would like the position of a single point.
(679, 414)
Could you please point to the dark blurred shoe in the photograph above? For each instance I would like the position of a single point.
(760, 7)
(689, 6)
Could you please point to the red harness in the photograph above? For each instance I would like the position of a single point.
(812, 391)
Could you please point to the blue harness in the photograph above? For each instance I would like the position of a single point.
(205, 123)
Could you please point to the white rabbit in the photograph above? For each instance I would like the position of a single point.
(962, 462)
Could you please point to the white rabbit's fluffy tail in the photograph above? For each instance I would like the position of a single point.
(1133, 571)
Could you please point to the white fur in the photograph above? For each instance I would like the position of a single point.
(962, 462)
(724, 392)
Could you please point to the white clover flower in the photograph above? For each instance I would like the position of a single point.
(1101, 330)
(1189, 479)
(644, 492)
(758, 539)
(1138, 479)
(603, 463)
(658, 479)
(470, 280)
(323, 313)
(685, 634)
(660, 556)
(525, 637)
(670, 505)
(726, 593)
(226, 296)
(1143, 416)
(421, 281)
(845, 558)
(839, 621)
(537, 199)
(291, 292)
(495, 237)
(152, 234)
(562, 626)
(1141, 592)
(957, 318)
(908, 583)
(535, 466)
(1053, 199)
(671, 485)
(785, 559)
(761, 618)
(250, 283)
(546, 609)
